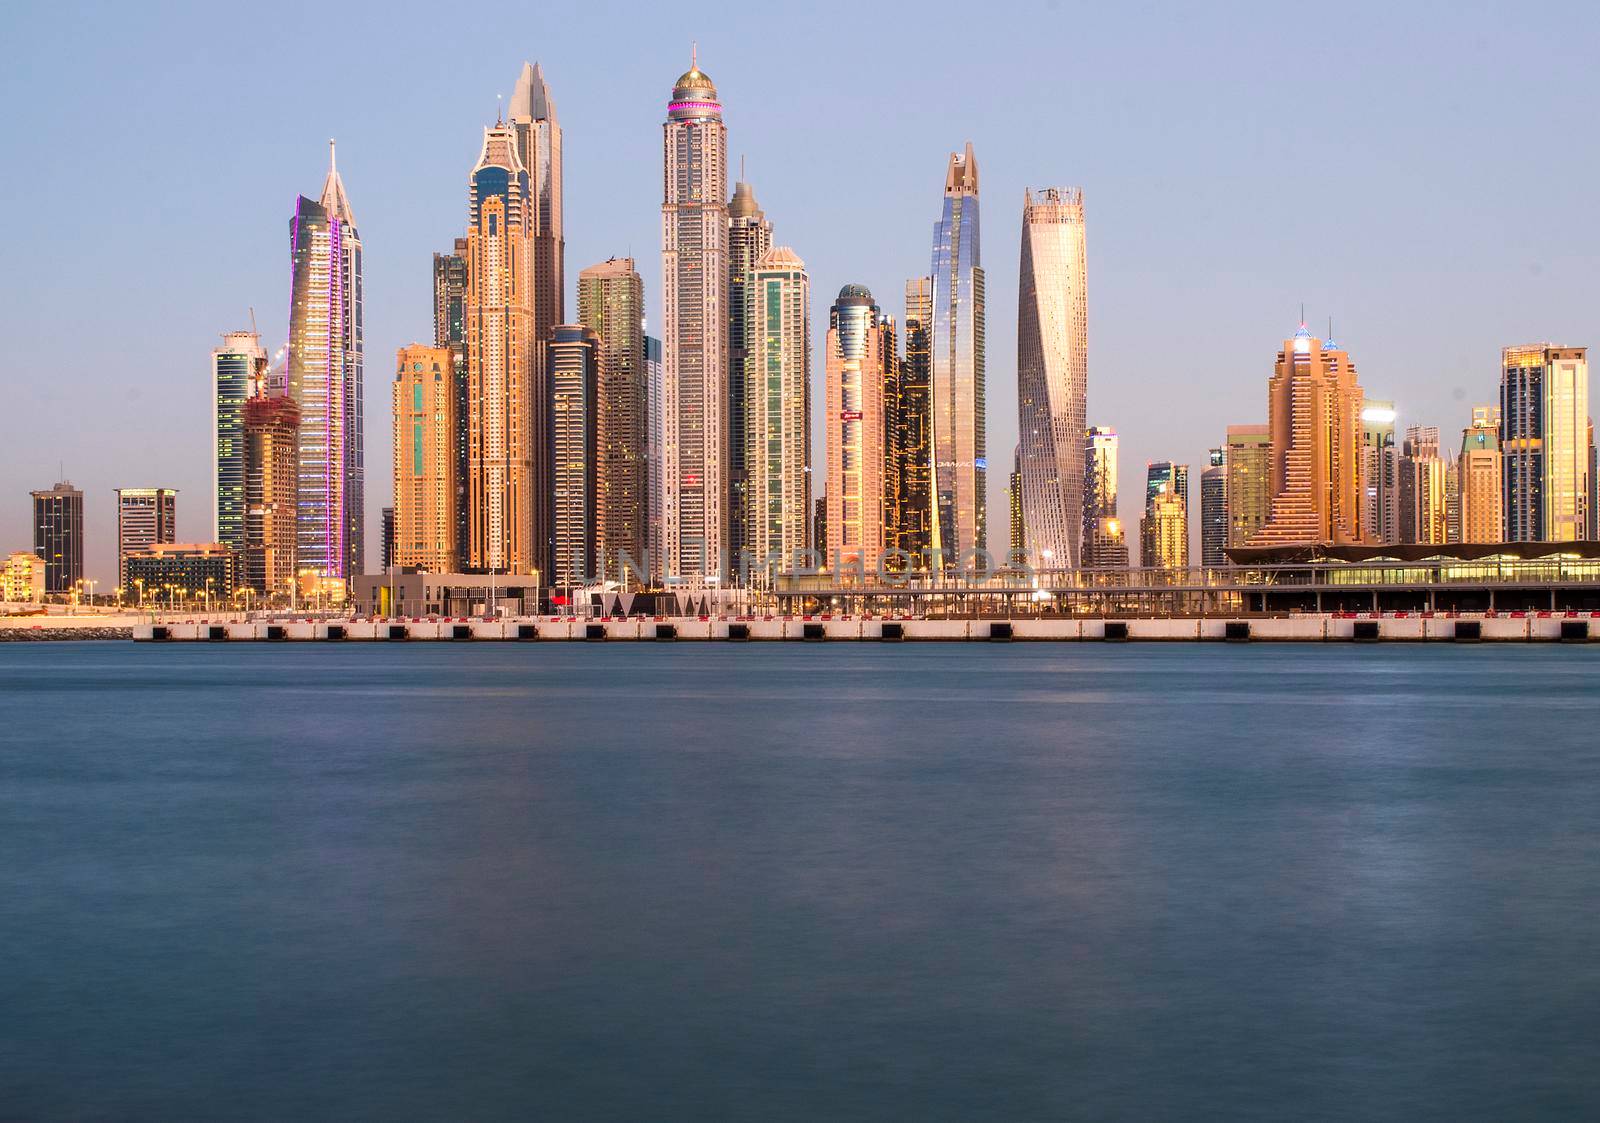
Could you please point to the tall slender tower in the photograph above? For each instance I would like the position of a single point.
(1422, 487)
(238, 373)
(911, 421)
(532, 116)
(611, 304)
(1214, 509)
(1105, 542)
(1314, 411)
(272, 450)
(145, 516)
(1544, 403)
(424, 459)
(501, 485)
(1480, 479)
(325, 379)
(960, 458)
(450, 330)
(778, 406)
(1248, 458)
(749, 238)
(1052, 374)
(694, 279)
(1380, 474)
(574, 353)
(860, 354)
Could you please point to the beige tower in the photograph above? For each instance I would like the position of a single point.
(503, 489)
(611, 304)
(860, 353)
(1314, 406)
(424, 459)
(1249, 462)
(1481, 478)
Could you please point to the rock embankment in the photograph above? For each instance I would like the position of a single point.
(12, 634)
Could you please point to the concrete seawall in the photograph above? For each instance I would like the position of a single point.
(1515, 627)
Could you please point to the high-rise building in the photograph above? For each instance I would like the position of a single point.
(505, 492)
(1019, 533)
(386, 538)
(1314, 409)
(271, 491)
(424, 459)
(1105, 543)
(749, 239)
(860, 367)
(532, 117)
(1479, 479)
(58, 536)
(611, 304)
(1214, 509)
(450, 330)
(957, 387)
(694, 278)
(238, 373)
(819, 524)
(1164, 531)
(655, 487)
(1380, 474)
(574, 378)
(325, 379)
(1594, 485)
(777, 405)
(1422, 487)
(910, 420)
(1052, 374)
(1544, 403)
(1249, 485)
(1160, 474)
(144, 515)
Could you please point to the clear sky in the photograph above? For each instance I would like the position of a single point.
(1425, 173)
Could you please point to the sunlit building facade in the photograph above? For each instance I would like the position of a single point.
(1314, 413)
(1248, 458)
(1164, 532)
(859, 366)
(1480, 479)
(1214, 509)
(424, 535)
(1423, 509)
(694, 279)
(574, 356)
(957, 375)
(238, 373)
(1544, 403)
(749, 239)
(271, 485)
(325, 380)
(450, 330)
(1105, 544)
(910, 421)
(144, 515)
(611, 304)
(655, 487)
(503, 489)
(1052, 374)
(22, 578)
(777, 408)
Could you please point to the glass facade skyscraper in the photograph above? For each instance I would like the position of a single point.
(450, 330)
(611, 304)
(749, 239)
(1544, 407)
(58, 536)
(1105, 544)
(145, 516)
(325, 379)
(957, 387)
(860, 353)
(777, 405)
(1214, 510)
(574, 355)
(911, 423)
(238, 373)
(1052, 375)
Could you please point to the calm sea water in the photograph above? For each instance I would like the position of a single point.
(485, 882)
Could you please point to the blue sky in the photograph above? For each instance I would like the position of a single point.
(1425, 173)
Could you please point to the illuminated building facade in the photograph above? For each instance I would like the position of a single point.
(271, 486)
(1248, 458)
(1052, 374)
(1380, 473)
(1164, 532)
(574, 355)
(1480, 479)
(22, 578)
(1544, 404)
(58, 536)
(957, 379)
(1314, 413)
(777, 407)
(749, 239)
(910, 420)
(859, 367)
(655, 487)
(238, 373)
(325, 379)
(1214, 509)
(450, 330)
(1422, 487)
(424, 459)
(144, 515)
(611, 304)
(1105, 543)
(694, 279)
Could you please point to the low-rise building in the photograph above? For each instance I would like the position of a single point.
(170, 572)
(22, 579)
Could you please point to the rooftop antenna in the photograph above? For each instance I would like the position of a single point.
(253, 330)
(1330, 327)
(694, 55)
(333, 165)
(499, 119)
(1302, 313)
(741, 167)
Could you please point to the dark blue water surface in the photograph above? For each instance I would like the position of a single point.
(655, 881)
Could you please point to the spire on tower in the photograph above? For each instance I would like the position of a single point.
(334, 200)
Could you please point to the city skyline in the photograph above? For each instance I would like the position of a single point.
(1257, 291)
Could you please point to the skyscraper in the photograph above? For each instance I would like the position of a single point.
(1214, 509)
(1544, 402)
(271, 488)
(450, 330)
(860, 357)
(238, 373)
(325, 379)
(532, 117)
(1422, 487)
(749, 239)
(1314, 409)
(611, 304)
(1480, 478)
(777, 404)
(1164, 531)
(1052, 374)
(1380, 474)
(145, 515)
(655, 440)
(1249, 463)
(1019, 532)
(424, 459)
(960, 456)
(1105, 543)
(694, 279)
(1164, 473)
(574, 355)
(910, 419)
(58, 536)
(503, 489)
